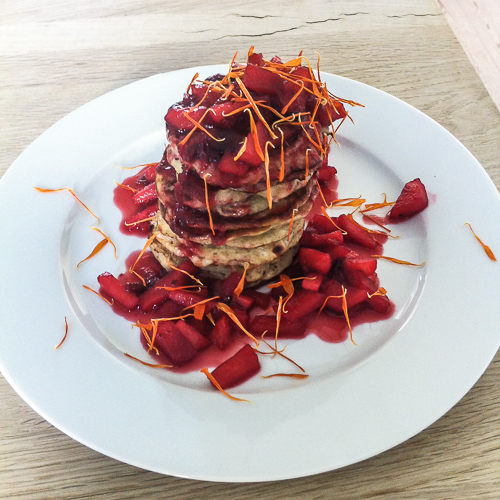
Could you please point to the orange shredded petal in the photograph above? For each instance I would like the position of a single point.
(201, 303)
(65, 334)
(375, 206)
(291, 223)
(242, 150)
(110, 302)
(151, 365)
(191, 82)
(255, 137)
(397, 261)
(351, 218)
(282, 156)
(380, 291)
(285, 108)
(279, 353)
(199, 311)
(225, 308)
(321, 194)
(139, 276)
(44, 190)
(289, 289)
(217, 385)
(346, 314)
(375, 221)
(486, 248)
(241, 283)
(173, 288)
(143, 165)
(208, 204)
(94, 252)
(200, 126)
(107, 238)
(307, 165)
(145, 333)
(124, 186)
(278, 320)
(326, 300)
(146, 246)
(210, 318)
(291, 375)
(268, 179)
(148, 219)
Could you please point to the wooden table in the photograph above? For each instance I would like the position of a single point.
(56, 56)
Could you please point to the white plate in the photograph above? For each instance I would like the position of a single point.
(404, 374)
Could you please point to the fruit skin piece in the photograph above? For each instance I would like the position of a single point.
(314, 260)
(412, 200)
(195, 338)
(238, 368)
(173, 344)
(354, 233)
(117, 291)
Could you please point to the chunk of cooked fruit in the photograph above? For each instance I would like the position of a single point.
(174, 344)
(354, 233)
(412, 200)
(238, 368)
(302, 304)
(197, 339)
(117, 291)
(287, 329)
(313, 260)
(221, 334)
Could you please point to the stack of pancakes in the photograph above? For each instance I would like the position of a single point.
(250, 215)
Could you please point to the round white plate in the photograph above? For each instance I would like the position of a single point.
(405, 372)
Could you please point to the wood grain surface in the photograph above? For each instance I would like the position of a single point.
(55, 56)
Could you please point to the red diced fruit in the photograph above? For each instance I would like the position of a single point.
(186, 298)
(412, 200)
(146, 195)
(287, 329)
(228, 285)
(354, 233)
(303, 303)
(320, 224)
(260, 299)
(117, 291)
(314, 240)
(379, 303)
(221, 334)
(261, 80)
(238, 368)
(220, 110)
(174, 344)
(244, 301)
(355, 262)
(354, 296)
(312, 282)
(197, 339)
(148, 268)
(131, 282)
(168, 309)
(228, 165)
(176, 117)
(157, 294)
(326, 173)
(133, 224)
(314, 260)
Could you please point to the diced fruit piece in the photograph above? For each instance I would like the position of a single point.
(379, 303)
(225, 288)
(173, 344)
(250, 155)
(355, 262)
(303, 303)
(228, 165)
(238, 368)
(157, 294)
(287, 330)
(176, 117)
(261, 80)
(355, 233)
(117, 291)
(148, 268)
(262, 300)
(146, 195)
(412, 200)
(197, 339)
(354, 296)
(326, 173)
(244, 301)
(337, 250)
(185, 297)
(220, 110)
(168, 309)
(321, 224)
(314, 260)
(312, 282)
(132, 223)
(312, 239)
(221, 334)
(131, 282)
